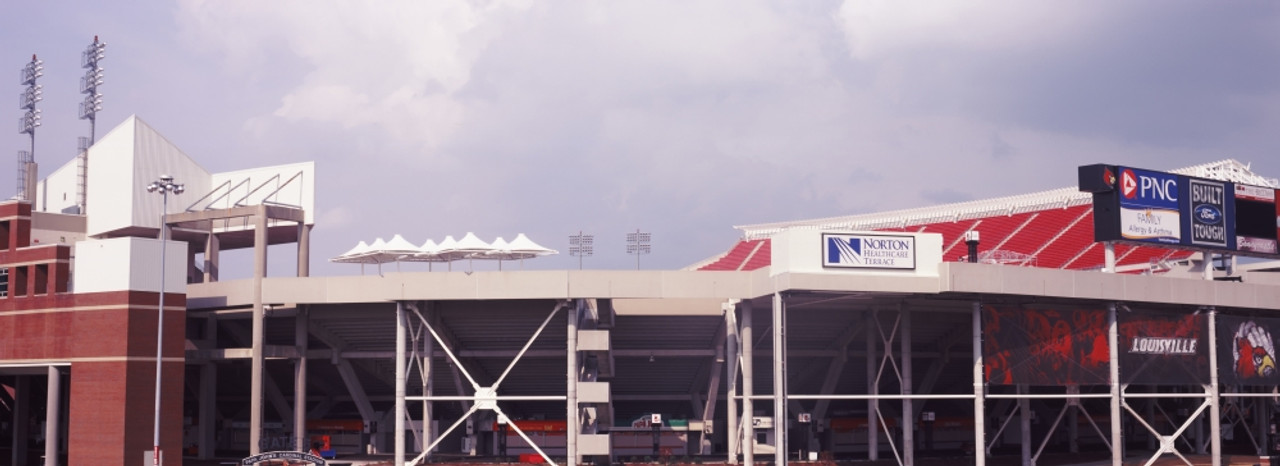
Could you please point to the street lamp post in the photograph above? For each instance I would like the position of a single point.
(164, 185)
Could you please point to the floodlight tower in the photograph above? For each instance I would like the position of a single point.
(638, 244)
(89, 109)
(581, 245)
(92, 104)
(27, 124)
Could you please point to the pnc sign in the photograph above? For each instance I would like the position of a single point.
(1149, 206)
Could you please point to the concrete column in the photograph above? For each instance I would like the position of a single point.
(748, 387)
(573, 424)
(401, 332)
(304, 250)
(1108, 257)
(255, 371)
(21, 413)
(301, 341)
(908, 411)
(780, 417)
(873, 424)
(979, 392)
(1113, 336)
(208, 398)
(731, 382)
(1207, 257)
(53, 407)
(212, 247)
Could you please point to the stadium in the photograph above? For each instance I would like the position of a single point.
(967, 332)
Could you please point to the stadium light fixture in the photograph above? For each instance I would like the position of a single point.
(93, 77)
(165, 186)
(581, 245)
(638, 245)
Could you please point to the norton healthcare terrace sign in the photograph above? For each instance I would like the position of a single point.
(863, 251)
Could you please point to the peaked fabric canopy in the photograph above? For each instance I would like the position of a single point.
(469, 247)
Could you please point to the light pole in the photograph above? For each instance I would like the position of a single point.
(164, 185)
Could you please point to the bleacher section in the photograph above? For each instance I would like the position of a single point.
(1051, 229)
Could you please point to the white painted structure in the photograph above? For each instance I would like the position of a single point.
(133, 154)
(123, 264)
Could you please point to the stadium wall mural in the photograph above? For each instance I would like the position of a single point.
(1247, 351)
(1163, 348)
(1045, 347)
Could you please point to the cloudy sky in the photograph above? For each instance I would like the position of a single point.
(680, 118)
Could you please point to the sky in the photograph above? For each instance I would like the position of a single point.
(677, 118)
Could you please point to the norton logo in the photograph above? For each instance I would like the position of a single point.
(1128, 184)
(869, 251)
(841, 250)
(1208, 214)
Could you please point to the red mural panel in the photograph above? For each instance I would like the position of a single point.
(1044, 347)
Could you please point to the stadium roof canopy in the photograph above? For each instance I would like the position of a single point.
(1051, 229)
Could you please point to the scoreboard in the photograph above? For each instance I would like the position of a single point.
(1165, 209)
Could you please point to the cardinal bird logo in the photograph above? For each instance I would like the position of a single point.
(1254, 352)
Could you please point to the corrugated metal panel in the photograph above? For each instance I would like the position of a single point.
(153, 156)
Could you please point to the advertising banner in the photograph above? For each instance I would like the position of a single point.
(1247, 351)
(1163, 349)
(1149, 206)
(1255, 227)
(1210, 222)
(1044, 347)
(868, 251)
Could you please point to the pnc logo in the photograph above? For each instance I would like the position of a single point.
(1128, 184)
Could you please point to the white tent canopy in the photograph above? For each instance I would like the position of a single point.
(469, 247)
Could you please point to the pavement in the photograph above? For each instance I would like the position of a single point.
(1081, 459)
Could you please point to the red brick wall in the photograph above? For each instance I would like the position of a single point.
(110, 340)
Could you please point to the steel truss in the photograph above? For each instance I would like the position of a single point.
(482, 398)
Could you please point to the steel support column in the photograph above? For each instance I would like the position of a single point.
(573, 311)
(732, 432)
(52, 405)
(255, 371)
(401, 330)
(873, 388)
(1024, 425)
(908, 417)
(428, 387)
(301, 337)
(748, 387)
(1113, 337)
(979, 389)
(780, 417)
(1215, 402)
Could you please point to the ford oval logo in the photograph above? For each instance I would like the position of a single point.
(1208, 214)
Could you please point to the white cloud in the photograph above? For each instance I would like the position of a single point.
(878, 29)
(391, 64)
